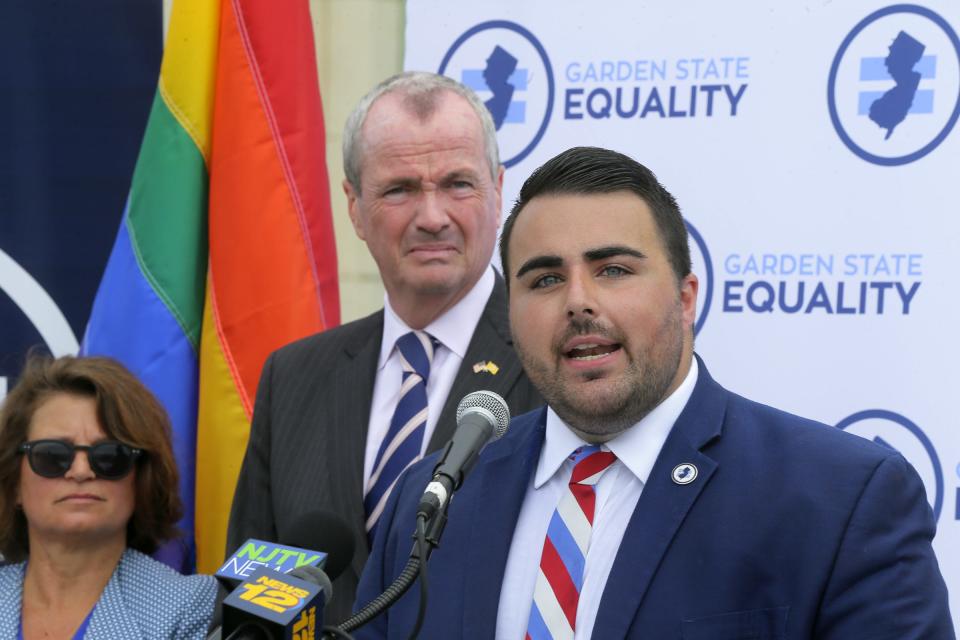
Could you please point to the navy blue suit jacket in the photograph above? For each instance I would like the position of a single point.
(792, 529)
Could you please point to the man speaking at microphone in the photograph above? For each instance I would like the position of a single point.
(339, 415)
(647, 501)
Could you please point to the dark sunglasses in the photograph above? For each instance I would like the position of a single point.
(110, 460)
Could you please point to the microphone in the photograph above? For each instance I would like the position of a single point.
(254, 554)
(315, 576)
(255, 559)
(481, 416)
(326, 531)
(312, 530)
(273, 606)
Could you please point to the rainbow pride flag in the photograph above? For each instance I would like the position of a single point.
(226, 248)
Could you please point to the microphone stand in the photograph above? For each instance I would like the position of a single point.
(480, 415)
(403, 582)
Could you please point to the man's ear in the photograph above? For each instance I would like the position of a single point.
(689, 287)
(353, 208)
(500, 173)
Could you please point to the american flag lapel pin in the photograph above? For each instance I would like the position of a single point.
(486, 365)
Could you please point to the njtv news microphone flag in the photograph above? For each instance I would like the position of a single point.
(226, 248)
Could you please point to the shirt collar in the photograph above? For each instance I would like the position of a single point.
(453, 329)
(637, 447)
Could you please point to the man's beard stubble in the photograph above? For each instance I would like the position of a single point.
(640, 388)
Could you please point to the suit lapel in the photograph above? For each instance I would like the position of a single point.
(491, 342)
(357, 369)
(504, 475)
(662, 508)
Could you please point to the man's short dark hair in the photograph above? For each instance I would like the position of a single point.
(586, 170)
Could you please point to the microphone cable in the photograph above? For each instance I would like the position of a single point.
(421, 551)
(481, 415)
(426, 542)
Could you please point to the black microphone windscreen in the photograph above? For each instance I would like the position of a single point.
(314, 575)
(323, 531)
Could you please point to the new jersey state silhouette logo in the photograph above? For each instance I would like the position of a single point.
(505, 64)
(894, 86)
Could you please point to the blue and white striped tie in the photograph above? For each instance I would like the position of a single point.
(401, 446)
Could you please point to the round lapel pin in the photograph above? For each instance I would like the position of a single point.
(684, 473)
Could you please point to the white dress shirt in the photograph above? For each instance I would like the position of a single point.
(453, 330)
(617, 491)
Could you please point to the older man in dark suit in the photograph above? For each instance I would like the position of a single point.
(341, 414)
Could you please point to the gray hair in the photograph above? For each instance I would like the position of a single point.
(421, 91)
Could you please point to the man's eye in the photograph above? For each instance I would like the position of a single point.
(545, 281)
(461, 184)
(613, 271)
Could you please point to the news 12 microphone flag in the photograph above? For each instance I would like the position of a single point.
(226, 248)
(813, 148)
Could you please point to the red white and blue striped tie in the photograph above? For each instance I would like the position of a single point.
(553, 615)
(401, 446)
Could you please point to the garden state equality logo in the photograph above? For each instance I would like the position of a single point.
(39, 308)
(894, 86)
(897, 432)
(508, 68)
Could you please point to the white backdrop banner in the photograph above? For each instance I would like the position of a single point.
(814, 151)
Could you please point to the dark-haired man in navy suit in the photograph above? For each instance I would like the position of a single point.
(646, 501)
